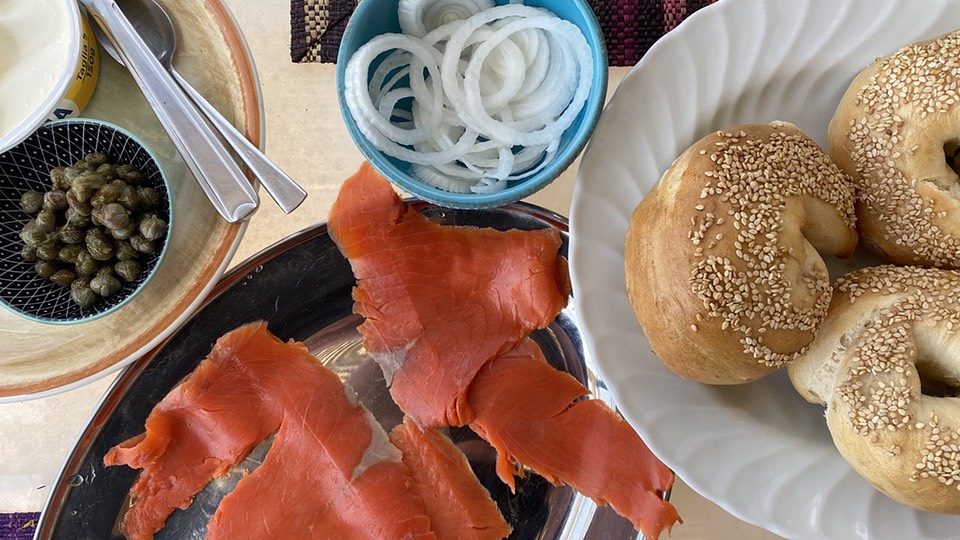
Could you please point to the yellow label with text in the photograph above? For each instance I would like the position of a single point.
(85, 78)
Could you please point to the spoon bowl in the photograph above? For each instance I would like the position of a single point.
(157, 30)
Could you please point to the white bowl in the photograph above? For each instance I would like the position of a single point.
(758, 450)
(52, 70)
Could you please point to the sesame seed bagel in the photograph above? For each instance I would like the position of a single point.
(896, 132)
(886, 363)
(721, 257)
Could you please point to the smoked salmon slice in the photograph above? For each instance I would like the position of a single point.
(534, 416)
(460, 508)
(440, 301)
(331, 472)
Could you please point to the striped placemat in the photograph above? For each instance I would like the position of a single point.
(630, 27)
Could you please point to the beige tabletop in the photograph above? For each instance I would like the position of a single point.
(294, 95)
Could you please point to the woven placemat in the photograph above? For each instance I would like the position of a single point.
(630, 27)
(20, 526)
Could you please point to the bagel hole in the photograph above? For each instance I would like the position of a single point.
(934, 382)
(951, 151)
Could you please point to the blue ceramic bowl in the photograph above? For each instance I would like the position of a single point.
(375, 17)
(26, 167)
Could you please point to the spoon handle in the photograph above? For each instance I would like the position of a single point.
(284, 190)
(217, 173)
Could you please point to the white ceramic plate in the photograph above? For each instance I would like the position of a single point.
(758, 450)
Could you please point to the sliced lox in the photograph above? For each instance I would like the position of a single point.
(440, 301)
(330, 473)
(534, 416)
(460, 508)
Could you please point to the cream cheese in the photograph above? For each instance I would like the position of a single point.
(36, 44)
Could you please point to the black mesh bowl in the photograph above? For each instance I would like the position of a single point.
(27, 167)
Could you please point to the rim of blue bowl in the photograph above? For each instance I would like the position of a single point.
(521, 190)
(166, 242)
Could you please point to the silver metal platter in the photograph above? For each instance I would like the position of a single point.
(302, 288)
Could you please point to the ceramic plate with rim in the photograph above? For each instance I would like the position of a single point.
(758, 450)
(38, 359)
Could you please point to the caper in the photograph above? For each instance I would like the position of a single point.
(84, 186)
(123, 233)
(123, 251)
(45, 269)
(28, 253)
(71, 173)
(99, 246)
(115, 216)
(32, 235)
(142, 244)
(77, 219)
(152, 227)
(105, 285)
(49, 249)
(130, 198)
(105, 195)
(58, 178)
(63, 277)
(96, 159)
(128, 270)
(80, 207)
(149, 198)
(55, 200)
(129, 174)
(82, 294)
(71, 234)
(86, 265)
(46, 221)
(70, 254)
(107, 170)
(84, 166)
(31, 202)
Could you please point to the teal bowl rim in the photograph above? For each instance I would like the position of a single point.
(166, 243)
(593, 107)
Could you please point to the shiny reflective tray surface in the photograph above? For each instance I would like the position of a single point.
(302, 288)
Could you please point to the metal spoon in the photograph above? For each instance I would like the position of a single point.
(157, 30)
(211, 164)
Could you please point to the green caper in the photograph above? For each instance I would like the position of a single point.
(149, 198)
(80, 207)
(31, 202)
(58, 178)
(28, 253)
(86, 265)
(96, 159)
(105, 195)
(70, 254)
(45, 269)
(55, 200)
(107, 170)
(46, 221)
(63, 277)
(71, 234)
(123, 233)
(129, 174)
(130, 198)
(142, 244)
(33, 235)
(82, 294)
(83, 165)
(84, 186)
(152, 227)
(49, 249)
(77, 219)
(114, 216)
(123, 251)
(128, 270)
(99, 246)
(105, 284)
